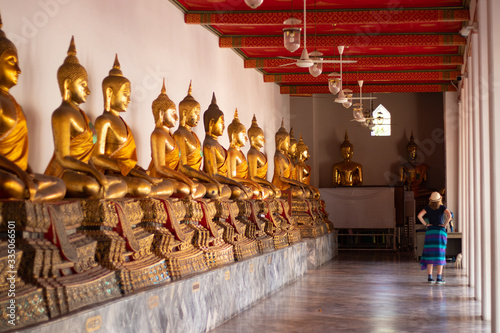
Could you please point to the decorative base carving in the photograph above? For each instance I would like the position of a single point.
(123, 245)
(248, 213)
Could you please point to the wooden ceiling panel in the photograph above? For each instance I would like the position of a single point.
(399, 46)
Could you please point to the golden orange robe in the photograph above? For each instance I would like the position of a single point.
(126, 155)
(80, 147)
(14, 143)
(172, 160)
(286, 173)
(194, 159)
(242, 168)
(222, 168)
(262, 171)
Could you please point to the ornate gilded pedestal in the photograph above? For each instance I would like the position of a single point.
(58, 258)
(272, 225)
(248, 213)
(123, 245)
(173, 241)
(208, 236)
(234, 230)
(309, 223)
(280, 211)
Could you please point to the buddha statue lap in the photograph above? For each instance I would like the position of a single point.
(17, 181)
(165, 157)
(347, 173)
(75, 137)
(115, 152)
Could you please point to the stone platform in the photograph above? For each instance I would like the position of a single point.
(200, 302)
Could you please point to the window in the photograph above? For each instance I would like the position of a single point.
(381, 121)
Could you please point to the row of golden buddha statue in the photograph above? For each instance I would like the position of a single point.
(121, 227)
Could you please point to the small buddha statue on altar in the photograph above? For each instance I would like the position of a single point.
(165, 153)
(190, 148)
(75, 137)
(283, 166)
(17, 181)
(215, 161)
(237, 167)
(115, 152)
(257, 160)
(411, 173)
(347, 173)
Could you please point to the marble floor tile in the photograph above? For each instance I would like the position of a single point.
(366, 291)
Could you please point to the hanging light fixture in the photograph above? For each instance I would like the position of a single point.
(333, 84)
(291, 35)
(254, 3)
(341, 98)
(317, 68)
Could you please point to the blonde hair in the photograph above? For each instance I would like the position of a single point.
(435, 204)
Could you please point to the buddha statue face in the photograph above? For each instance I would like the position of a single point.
(217, 128)
(412, 154)
(78, 90)
(120, 99)
(170, 117)
(292, 150)
(164, 110)
(256, 135)
(237, 132)
(192, 116)
(9, 69)
(347, 153)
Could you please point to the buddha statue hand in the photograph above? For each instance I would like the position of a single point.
(31, 188)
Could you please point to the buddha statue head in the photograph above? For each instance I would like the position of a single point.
(116, 89)
(302, 150)
(164, 110)
(292, 150)
(411, 149)
(9, 62)
(237, 132)
(189, 110)
(72, 78)
(346, 148)
(282, 138)
(213, 119)
(256, 135)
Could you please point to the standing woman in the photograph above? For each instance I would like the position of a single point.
(434, 252)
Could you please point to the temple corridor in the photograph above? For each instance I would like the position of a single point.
(366, 291)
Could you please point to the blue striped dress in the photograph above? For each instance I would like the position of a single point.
(434, 252)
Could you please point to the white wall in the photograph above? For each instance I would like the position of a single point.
(152, 42)
(451, 131)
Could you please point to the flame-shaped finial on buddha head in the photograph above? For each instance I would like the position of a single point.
(212, 115)
(254, 129)
(162, 103)
(188, 105)
(70, 70)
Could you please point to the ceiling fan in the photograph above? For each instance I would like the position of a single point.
(304, 61)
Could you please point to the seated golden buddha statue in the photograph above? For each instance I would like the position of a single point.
(115, 151)
(215, 162)
(75, 137)
(165, 157)
(292, 153)
(347, 173)
(257, 160)
(283, 166)
(304, 170)
(411, 173)
(237, 166)
(17, 181)
(190, 148)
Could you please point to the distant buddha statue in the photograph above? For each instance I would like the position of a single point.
(215, 161)
(75, 137)
(411, 173)
(165, 154)
(304, 170)
(347, 173)
(115, 151)
(190, 148)
(17, 181)
(283, 166)
(257, 160)
(292, 153)
(237, 167)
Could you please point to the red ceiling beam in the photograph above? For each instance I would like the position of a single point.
(332, 17)
(357, 40)
(387, 61)
(394, 88)
(367, 77)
